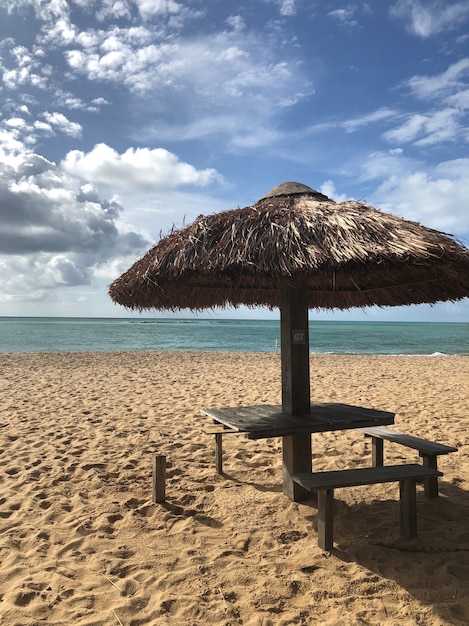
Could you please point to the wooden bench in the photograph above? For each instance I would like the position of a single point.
(428, 450)
(325, 483)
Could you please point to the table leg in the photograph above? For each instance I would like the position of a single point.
(297, 458)
(219, 452)
(377, 458)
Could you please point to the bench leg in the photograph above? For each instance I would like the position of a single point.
(326, 519)
(430, 485)
(219, 453)
(377, 453)
(408, 504)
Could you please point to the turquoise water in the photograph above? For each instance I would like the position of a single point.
(29, 334)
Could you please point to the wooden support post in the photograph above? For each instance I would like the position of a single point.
(408, 505)
(377, 452)
(159, 478)
(295, 383)
(430, 485)
(296, 453)
(295, 350)
(219, 452)
(326, 519)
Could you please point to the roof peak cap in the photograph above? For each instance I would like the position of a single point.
(292, 188)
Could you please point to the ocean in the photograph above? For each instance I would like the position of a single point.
(39, 334)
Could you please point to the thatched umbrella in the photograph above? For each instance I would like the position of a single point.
(347, 254)
(297, 249)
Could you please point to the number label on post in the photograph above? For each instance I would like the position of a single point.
(299, 337)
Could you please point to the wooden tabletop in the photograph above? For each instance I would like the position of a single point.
(267, 420)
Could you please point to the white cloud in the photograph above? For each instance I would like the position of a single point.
(10, 142)
(460, 99)
(230, 84)
(380, 165)
(441, 126)
(458, 168)
(45, 11)
(329, 190)
(15, 122)
(236, 22)
(60, 122)
(139, 168)
(354, 124)
(408, 130)
(61, 32)
(379, 115)
(450, 98)
(158, 7)
(245, 129)
(427, 129)
(217, 68)
(188, 83)
(19, 135)
(72, 102)
(43, 127)
(123, 56)
(442, 84)
(114, 9)
(344, 16)
(436, 198)
(432, 17)
(287, 7)
(28, 70)
(61, 270)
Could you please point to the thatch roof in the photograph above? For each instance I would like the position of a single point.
(348, 254)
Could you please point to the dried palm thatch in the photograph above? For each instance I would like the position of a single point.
(346, 254)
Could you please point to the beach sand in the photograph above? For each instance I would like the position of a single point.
(82, 543)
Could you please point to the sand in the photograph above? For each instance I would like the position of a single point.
(82, 543)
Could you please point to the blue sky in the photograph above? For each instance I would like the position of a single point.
(121, 118)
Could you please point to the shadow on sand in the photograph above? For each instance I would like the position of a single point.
(433, 567)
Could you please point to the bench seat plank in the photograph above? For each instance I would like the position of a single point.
(428, 450)
(325, 483)
(364, 476)
(417, 443)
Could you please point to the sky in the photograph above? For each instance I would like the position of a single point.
(122, 118)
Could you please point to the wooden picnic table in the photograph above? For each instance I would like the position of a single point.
(266, 420)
